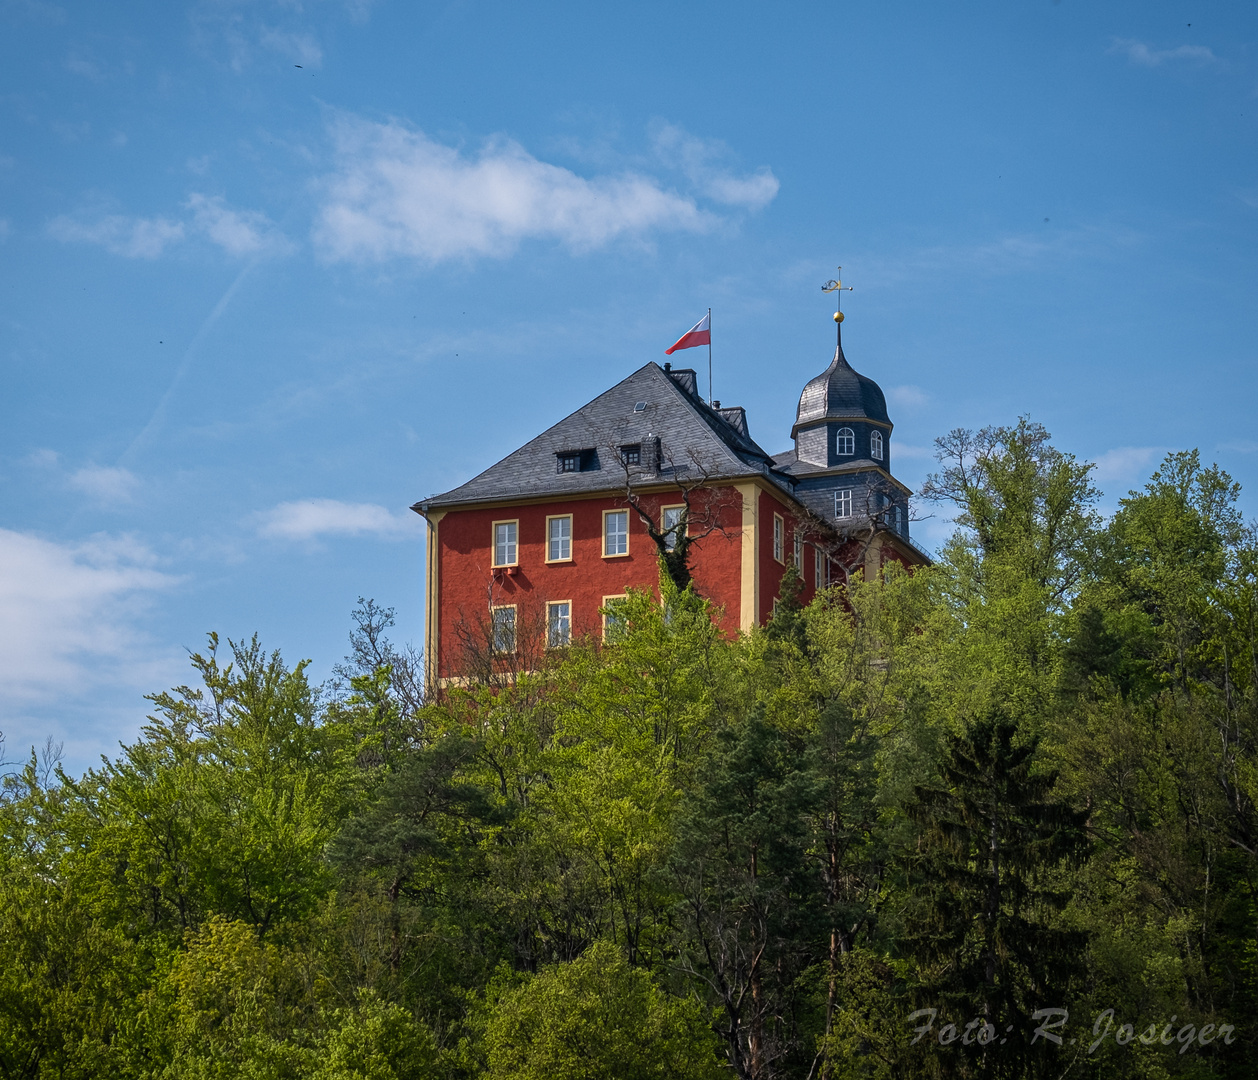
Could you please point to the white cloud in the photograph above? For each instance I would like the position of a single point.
(907, 397)
(104, 483)
(697, 159)
(396, 192)
(89, 69)
(307, 519)
(132, 237)
(238, 232)
(1124, 464)
(69, 614)
(300, 48)
(1144, 56)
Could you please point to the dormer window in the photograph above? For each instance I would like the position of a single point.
(844, 442)
(576, 460)
(631, 455)
(875, 446)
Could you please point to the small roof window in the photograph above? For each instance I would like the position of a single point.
(640, 407)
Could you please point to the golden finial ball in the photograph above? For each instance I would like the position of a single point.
(838, 316)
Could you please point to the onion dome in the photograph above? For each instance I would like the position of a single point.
(840, 393)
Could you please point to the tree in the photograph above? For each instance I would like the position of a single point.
(986, 890)
(751, 914)
(597, 1018)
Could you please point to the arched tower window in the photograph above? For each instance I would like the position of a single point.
(875, 446)
(844, 441)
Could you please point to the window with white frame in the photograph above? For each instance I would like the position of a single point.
(899, 519)
(779, 538)
(875, 445)
(844, 442)
(616, 532)
(504, 629)
(798, 556)
(505, 536)
(818, 569)
(670, 521)
(558, 623)
(843, 503)
(559, 538)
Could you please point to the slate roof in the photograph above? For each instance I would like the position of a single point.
(840, 393)
(693, 438)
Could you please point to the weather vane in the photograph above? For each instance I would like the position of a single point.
(834, 285)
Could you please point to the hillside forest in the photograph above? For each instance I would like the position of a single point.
(992, 818)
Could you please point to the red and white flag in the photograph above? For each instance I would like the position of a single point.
(699, 334)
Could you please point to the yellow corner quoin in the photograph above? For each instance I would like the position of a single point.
(431, 613)
(750, 591)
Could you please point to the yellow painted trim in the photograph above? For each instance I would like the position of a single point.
(628, 521)
(515, 627)
(432, 610)
(493, 543)
(556, 603)
(673, 506)
(873, 559)
(556, 517)
(749, 590)
(603, 606)
(576, 496)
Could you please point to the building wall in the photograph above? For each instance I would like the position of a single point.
(771, 569)
(467, 582)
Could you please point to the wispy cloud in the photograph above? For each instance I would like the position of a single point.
(308, 519)
(131, 237)
(238, 232)
(1124, 464)
(699, 159)
(70, 615)
(301, 48)
(1144, 55)
(396, 192)
(104, 483)
(908, 397)
(1008, 254)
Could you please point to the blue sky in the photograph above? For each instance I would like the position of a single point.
(270, 272)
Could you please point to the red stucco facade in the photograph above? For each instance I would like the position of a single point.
(737, 565)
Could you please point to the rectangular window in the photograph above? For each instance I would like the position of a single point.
(504, 629)
(615, 532)
(843, 503)
(818, 569)
(568, 462)
(505, 536)
(558, 623)
(613, 620)
(670, 521)
(799, 553)
(559, 538)
(779, 538)
(631, 455)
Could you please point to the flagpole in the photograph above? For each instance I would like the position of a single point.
(709, 357)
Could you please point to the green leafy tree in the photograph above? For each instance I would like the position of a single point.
(597, 1018)
(751, 913)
